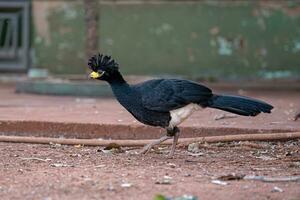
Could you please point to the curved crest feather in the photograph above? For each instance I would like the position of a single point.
(102, 61)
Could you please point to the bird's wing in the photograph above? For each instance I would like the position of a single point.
(169, 94)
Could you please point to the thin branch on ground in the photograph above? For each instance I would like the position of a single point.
(273, 179)
(38, 159)
(134, 143)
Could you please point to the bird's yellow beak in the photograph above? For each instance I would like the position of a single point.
(96, 75)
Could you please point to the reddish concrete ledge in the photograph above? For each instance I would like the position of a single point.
(74, 117)
(115, 131)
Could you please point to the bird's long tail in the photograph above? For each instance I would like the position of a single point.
(239, 105)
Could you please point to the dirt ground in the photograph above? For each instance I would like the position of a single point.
(49, 172)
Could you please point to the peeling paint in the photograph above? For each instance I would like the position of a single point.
(213, 43)
(163, 28)
(263, 51)
(70, 13)
(290, 8)
(296, 46)
(214, 31)
(225, 47)
(261, 23)
(194, 35)
(275, 74)
(109, 41)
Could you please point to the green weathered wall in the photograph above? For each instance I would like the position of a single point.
(227, 41)
(63, 52)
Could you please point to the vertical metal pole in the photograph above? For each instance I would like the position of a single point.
(8, 34)
(1, 30)
(15, 28)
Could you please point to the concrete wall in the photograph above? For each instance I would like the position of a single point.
(205, 39)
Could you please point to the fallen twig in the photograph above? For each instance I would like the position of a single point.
(231, 177)
(273, 179)
(39, 159)
(95, 142)
(61, 165)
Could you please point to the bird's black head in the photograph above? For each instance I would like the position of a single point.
(103, 67)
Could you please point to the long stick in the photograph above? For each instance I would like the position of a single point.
(96, 142)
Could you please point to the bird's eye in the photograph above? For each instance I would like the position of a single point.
(101, 72)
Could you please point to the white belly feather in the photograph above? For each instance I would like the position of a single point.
(181, 114)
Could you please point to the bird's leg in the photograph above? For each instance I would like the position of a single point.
(171, 132)
(176, 133)
(148, 147)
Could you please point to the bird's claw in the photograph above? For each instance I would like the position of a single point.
(145, 150)
(170, 155)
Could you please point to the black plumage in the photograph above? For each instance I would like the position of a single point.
(156, 102)
(239, 105)
(169, 94)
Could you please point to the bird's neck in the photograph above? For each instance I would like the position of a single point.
(117, 79)
(118, 84)
(123, 93)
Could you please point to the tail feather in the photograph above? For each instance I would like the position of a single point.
(240, 105)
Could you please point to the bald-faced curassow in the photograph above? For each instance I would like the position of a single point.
(168, 102)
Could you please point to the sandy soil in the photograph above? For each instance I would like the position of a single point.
(52, 171)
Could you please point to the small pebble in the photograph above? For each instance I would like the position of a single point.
(277, 189)
(167, 180)
(187, 175)
(111, 188)
(172, 165)
(218, 182)
(126, 185)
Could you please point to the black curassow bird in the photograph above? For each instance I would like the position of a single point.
(168, 102)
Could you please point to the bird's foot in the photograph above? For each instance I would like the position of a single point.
(172, 152)
(170, 155)
(148, 147)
